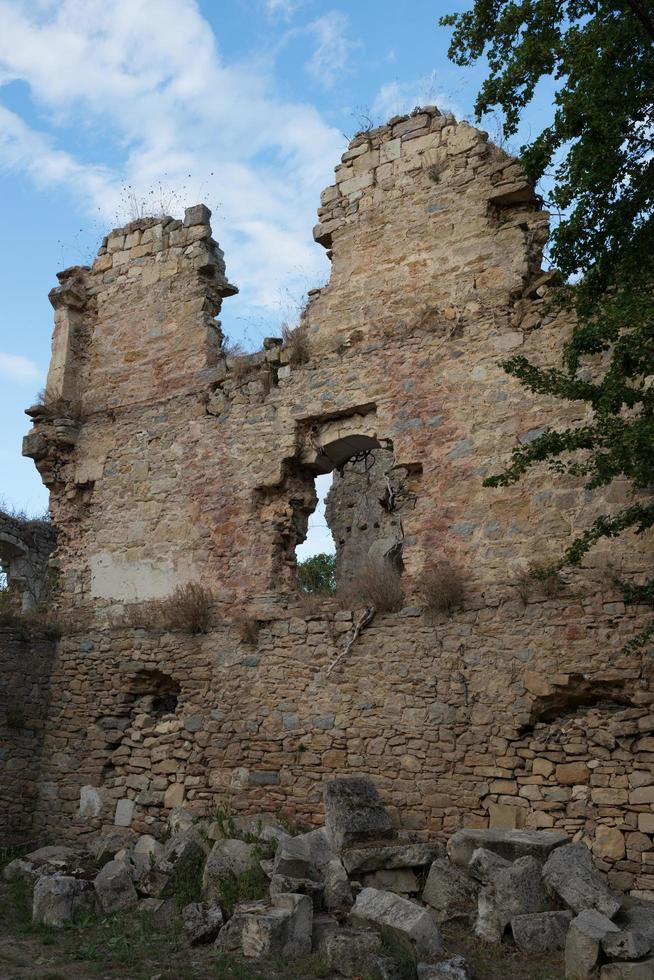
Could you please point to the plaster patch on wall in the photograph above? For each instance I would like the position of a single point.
(135, 581)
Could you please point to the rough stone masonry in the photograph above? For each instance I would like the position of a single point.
(169, 461)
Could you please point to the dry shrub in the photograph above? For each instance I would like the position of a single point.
(296, 342)
(538, 577)
(248, 628)
(376, 584)
(56, 407)
(144, 615)
(441, 588)
(188, 608)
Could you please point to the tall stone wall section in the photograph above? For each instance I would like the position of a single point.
(170, 461)
(25, 549)
(25, 666)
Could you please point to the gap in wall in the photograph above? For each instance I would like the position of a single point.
(319, 539)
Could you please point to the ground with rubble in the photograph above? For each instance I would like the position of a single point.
(353, 899)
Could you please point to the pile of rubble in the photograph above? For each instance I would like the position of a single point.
(361, 896)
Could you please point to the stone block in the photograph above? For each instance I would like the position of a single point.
(227, 857)
(485, 864)
(90, 802)
(582, 947)
(303, 856)
(509, 844)
(402, 881)
(609, 844)
(628, 971)
(124, 813)
(283, 930)
(411, 924)
(541, 932)
(59, 899)
(627, 944)
(571, 773)
(348, 951)
(202, 922)
(385, 857)
(338, 893)
(455, 968)
(570, 873)
(450, 891)
(354, 813)
(115, 888)
(516, 890)
(199, 214)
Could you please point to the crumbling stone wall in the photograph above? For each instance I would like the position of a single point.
(169, 461)
(25, 549)
(25, 665)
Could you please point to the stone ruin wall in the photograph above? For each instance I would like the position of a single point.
(170, 462)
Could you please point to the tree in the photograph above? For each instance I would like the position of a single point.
(600, 148)
(316, 575)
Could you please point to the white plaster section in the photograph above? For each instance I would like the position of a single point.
(135, 581)
(90, 802)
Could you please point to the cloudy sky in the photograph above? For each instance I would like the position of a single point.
(245, 105)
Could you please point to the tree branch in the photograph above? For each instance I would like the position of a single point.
(642, 16)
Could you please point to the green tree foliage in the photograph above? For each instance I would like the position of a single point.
(598, 155)
(316, 575)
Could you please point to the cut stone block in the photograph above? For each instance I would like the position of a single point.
(283, 930)
(202, 922)
(541, 932)
(450, 891)
(513, 891)
(628, 971)
(402, 881)
(115, 888)
(338, 893)
(582, 947)
(387, 857)
(305, 855)
(456, 968)
(570, 873)
(485, 864)
(227, 858)
(124, 813)
(60, 898)
(509, 844)
(347, 951)
(408, 922)
(354, 813)
(627, 944)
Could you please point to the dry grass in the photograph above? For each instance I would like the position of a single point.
(247, 626)
(296, 342)
(377, 584)
(56, 408)
(441, 588)
(189, 608)
(539, 577)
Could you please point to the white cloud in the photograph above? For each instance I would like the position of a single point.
(397, 98)
(333, 47)
(285, 8)
(148, 75)
(15, 367)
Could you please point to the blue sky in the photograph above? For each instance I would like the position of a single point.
(243, 104)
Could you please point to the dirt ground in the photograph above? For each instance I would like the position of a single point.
(136, 946)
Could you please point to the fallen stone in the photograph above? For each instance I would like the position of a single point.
(283, 885)
(21, 870)
(450, 891)
(180, 819)
(59, 899)
(485, 864)
(456, 968)
(638, 916)
(513, 891)
(509, 844)
(54, 856)
(354, 813)
(381, 967)
(570, 873)
(541, 932)
(104, 847)
(337, 891)
(283, 930)
(628, 971)
(387, 857)
(408, 922)
(627, 944)
(402, 881)
(304, 856)
(115, 888)
(183, 850)
(230, 936)
(228, 858)
(347, 951)
(202, 922)
(582, 947)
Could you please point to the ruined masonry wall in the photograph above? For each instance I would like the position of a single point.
(169, 460)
